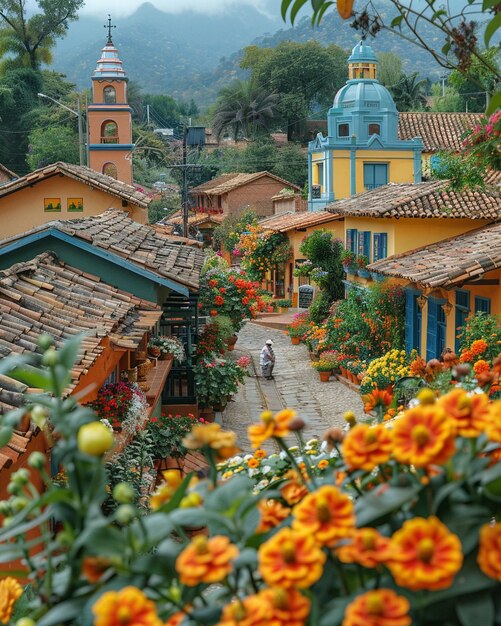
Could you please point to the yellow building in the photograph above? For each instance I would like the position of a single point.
(362, 149)
(297, 226)
(409, 226)
(64, 191)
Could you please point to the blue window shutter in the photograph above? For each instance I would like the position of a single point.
(462, 312)
(482, 305)
(360, 246)
(380, 174)
(349, 237)
(367, 244)
(384, 246)
(431, 330)
(409, 320)
(353, 240)
(376, 246)
(369, 176)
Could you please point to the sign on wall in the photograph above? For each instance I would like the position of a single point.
(305, 298)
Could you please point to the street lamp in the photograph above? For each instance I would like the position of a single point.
(78, 113)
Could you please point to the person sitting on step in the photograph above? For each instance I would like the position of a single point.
(267, 360)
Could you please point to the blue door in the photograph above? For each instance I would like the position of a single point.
(412, 321)
(375, 175)
(436, 330)
(462, 312)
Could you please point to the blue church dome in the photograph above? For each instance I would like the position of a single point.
(367, 94)
(362, 53)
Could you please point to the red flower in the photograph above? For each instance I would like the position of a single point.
(212, 283)
(222, 290)
(219, 300)
(245, 300)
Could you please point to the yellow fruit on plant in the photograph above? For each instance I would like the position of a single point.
(94, 439)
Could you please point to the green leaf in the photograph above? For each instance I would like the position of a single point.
(318, 15)
(5, 435)
(382, 501)
(489, 4)
(396, 21)
(494, 103)
(444, 492)
(33, 378)
(246, 558)
(476, 609)
(445, 48)
(491, 29)
(298, 4)
(64, 612)
(69, 351)
(284, 8)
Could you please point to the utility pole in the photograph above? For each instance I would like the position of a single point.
(184, 198)
(81, 145)
(148, 114)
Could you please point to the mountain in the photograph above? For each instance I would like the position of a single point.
(190, 55)
(163, 52)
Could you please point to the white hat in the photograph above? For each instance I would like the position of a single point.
(269, 342)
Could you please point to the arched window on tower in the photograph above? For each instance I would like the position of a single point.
(109, 132)
(110, 169)
(374, 129)
(343, 130)
(110, 95)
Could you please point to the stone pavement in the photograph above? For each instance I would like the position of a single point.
(296, 386)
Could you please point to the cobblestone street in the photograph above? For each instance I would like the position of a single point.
(296, 385)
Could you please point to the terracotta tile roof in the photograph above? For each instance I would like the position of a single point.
(448, 262)
(290, 221)
(421, 200)
(17, 446)
(193, 220)
(45, 295)
(228, 182)
(139, 244)
(166, 230)
(439, 131)
(7, 171)
(83, 174)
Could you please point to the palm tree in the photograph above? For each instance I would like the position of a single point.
(409, 93)
(245, 108)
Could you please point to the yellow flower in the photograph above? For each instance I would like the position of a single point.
(271, 426)
(127, 607)
(10, 592)
(206, 560)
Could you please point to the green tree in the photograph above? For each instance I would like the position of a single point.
(390, 69)
(455, 23)
(449, 101)
(291, 163)
(28, 39)
(409, 93)
(48, 145)
(244, 108)
(477, 85)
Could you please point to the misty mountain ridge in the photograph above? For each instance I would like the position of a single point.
(191, 55)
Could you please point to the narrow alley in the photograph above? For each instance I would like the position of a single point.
(296, 386)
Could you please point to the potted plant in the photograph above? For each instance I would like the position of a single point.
(362, 270)
(284, 305)
(225, 329)
(349, 262)
(123, 404)
(215, 380)
(296, 333)
(169, 346)
(166, 435)
(324, 369)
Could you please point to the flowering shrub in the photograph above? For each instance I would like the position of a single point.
(261, 251)
(484, 139)
(398, 528)
(385, 371)
(167, 433)
(216, 379)
(480, 337)
(123, 404)
(299, 325)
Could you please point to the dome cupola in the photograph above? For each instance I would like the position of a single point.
(362, 62)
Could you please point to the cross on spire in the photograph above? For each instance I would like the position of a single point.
(109, 26)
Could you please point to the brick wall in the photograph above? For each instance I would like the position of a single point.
(257, 194)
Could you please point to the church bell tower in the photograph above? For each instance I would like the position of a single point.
(109, 116)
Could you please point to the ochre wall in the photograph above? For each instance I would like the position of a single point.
(24, 209)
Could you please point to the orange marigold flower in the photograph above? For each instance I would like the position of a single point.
(260, 454)
(165, 491)
(366, 446)
(469, 412)
(479, 346)
(493, 425)
(382, 607)
(222, 442)
(327, 514)
(367, 547)
(176, 619)
(250, 611)
(426, 555)
(294, 490)
(466, 356)
(272, 514)
(93, 567)
(206, 560)
(291, 559)
(418, 367)
(127, 607)
(287, 607)
(271, 426)
(323, 464)
(423, 436)
(10, 592)
(489, 554)
(253, 463)
(480, 367)
(378, 397)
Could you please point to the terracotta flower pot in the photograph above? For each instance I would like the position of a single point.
(154, 351)
(295, 341)
(324, 376)
(207, 413)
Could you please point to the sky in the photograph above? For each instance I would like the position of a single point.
(126, 7)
